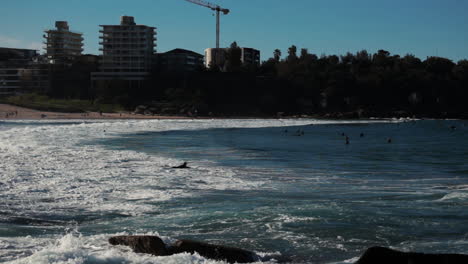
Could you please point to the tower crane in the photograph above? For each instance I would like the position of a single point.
(216, 8)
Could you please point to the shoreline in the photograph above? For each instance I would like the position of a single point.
(13, 112)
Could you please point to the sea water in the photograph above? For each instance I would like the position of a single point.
(290, 190)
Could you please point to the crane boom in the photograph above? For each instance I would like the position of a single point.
(209, 5)
(216, 8)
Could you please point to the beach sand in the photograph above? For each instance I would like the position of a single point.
(8, 112)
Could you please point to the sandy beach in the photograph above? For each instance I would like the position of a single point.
(15, 112)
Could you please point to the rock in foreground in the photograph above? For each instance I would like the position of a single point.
(142, 244)
(155, 246)
(380, 255)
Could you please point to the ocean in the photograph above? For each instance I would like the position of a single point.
(290, 190)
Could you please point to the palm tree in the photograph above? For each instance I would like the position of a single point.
(277, 55)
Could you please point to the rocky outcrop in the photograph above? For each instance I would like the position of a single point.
(155, 246)
(382, 255)
(375, 255)
(216, 252)
(142, 244)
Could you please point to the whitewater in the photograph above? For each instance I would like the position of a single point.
(67, 186)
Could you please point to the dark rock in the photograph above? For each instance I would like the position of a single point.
(155, 246)
(142, 244)
(216, 252)
(380, 255)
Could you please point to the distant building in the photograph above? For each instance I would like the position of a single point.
(62, 45)
(127, 51)
(9, 54)
(88, 59)
(14, 81)
(249, 56)
(10, 81)
(215, 57)
(21, 72)
(179, 60)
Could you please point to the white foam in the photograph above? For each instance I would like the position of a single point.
(51, 162)
(455, 196)
(48, 167)
(293, 219)
(73, 249)
(352, 260)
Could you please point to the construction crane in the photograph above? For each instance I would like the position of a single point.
(216, 8)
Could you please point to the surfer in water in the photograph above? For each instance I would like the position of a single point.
(183, 166)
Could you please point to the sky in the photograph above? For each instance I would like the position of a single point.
(419, 27)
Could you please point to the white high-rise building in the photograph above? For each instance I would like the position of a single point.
(127, 51)
(62, 45)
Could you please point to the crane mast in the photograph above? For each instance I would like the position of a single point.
(218, 10)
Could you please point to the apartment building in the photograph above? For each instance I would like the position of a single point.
(249, 56)
(180, 60)
(20, 72)
(62, 46)
(127, 51)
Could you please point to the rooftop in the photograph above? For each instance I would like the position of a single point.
(2, 49)
(181, 51)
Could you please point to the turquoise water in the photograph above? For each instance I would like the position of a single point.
(295, 198)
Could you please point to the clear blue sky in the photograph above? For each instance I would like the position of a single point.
(420, 27)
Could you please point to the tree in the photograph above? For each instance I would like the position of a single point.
(333, 59)
(362, 56)
(292, 53)
(347, 59)
(277, 55)
(304, 53)
(439, 65)
(381, 58)
(233, 58)
(461, 70)
(410, 61)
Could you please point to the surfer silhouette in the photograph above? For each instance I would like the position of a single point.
(183, 166)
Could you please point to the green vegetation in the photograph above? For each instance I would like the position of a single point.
(291, 82)
(301, 83)
(44, 103)
(379, 84)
